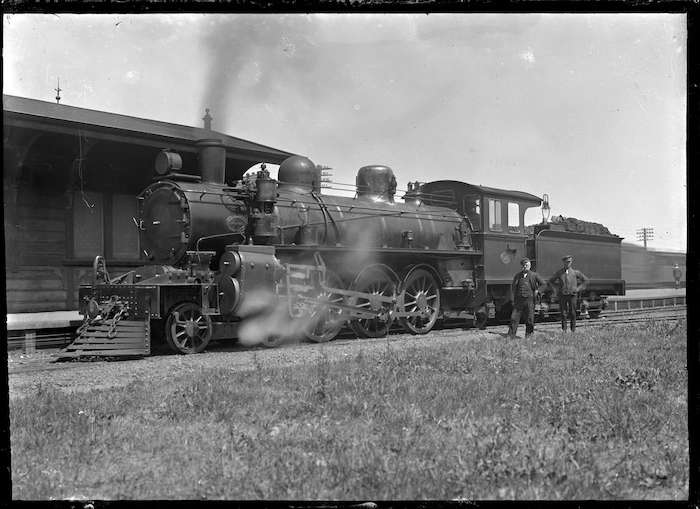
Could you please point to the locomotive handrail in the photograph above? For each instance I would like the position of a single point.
(434, 253)
(441, 218)
(326, 213)
(341, 186)
(370, 211)
(207, 237)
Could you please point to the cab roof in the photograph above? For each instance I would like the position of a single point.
(462, 188)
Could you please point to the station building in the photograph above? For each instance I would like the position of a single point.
(71, 177)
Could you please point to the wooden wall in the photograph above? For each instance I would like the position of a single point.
(35, 246)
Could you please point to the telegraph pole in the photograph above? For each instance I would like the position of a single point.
(645, 234)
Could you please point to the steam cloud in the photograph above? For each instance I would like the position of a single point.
(265, 316)
(255, 59)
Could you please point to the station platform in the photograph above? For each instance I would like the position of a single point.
(43, 320)
(649, 293)
(30, 331)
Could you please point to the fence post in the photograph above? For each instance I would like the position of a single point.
(30, 341)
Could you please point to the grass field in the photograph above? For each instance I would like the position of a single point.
(594, 415)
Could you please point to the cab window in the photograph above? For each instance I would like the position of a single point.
(472, 209)
(495, 221)
(513, 217)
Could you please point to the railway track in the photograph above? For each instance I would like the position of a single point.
(43, 360)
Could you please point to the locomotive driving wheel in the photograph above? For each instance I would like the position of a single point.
(187, 330)
(378, 284)
(273, 340)
(327, 322)
(420, 293)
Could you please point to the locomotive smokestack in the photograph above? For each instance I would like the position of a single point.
(212, 161)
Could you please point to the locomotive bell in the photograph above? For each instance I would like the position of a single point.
(377, 182)
(300, 172)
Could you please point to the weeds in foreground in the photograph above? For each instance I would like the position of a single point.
(599, 415)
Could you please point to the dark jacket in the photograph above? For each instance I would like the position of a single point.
(569, 283)
(537, 282)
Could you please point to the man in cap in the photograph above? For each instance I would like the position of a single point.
(527, 284)
(677, 273)
(567, 283)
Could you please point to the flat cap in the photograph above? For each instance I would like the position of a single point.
(524, 261)
(567, 258)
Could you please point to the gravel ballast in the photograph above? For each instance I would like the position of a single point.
(27, 372)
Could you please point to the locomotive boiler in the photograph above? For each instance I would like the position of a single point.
(265, 259)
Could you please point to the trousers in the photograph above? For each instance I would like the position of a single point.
(568, 304)
(522, 306)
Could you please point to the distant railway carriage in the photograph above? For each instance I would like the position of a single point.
(650, 268)
(224, 257)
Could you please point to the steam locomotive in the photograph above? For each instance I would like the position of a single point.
(265, 259)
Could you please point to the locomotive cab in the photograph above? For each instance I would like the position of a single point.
(497, 218)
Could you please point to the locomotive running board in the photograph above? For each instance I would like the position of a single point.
(132, 338)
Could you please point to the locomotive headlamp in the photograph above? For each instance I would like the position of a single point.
(167, 161)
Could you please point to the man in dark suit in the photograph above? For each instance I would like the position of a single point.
(568, 283)
(527, 284)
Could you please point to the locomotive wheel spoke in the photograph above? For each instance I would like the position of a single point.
(376, 282)
(420, 293)
(326, 322)
(187, 330)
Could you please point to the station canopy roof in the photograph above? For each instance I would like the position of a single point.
(45, 117)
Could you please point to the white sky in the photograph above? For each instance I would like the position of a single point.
(587, 108)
